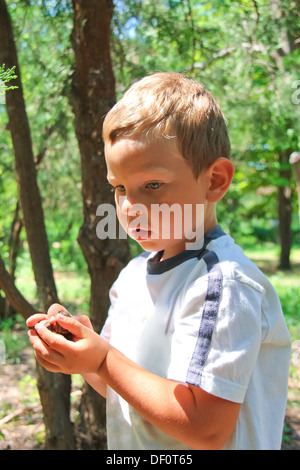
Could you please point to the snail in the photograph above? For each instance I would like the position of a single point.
(56, 328)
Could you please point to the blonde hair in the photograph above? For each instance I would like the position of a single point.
(172, 106)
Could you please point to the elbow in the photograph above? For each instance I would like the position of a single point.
(210, 435)
(211, 441)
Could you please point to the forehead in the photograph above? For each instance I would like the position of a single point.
(133, 155)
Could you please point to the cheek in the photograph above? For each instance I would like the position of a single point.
(121, 217)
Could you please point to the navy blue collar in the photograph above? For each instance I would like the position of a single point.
(155, 266)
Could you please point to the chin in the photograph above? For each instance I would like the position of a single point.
(170, 249)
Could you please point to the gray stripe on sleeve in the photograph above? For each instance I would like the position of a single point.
(208, 320)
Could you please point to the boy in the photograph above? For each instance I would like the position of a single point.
(195, 351)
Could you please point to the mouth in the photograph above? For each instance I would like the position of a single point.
(139, 233)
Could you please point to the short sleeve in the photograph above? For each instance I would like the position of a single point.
(217, 336)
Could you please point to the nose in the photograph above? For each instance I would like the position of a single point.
(130, 211)
(128, 207)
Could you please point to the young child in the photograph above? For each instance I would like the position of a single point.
(195, 350)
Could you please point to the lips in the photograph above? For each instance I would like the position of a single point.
(139, 233)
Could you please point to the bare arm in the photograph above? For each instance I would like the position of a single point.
(185, 412)
(95, 381)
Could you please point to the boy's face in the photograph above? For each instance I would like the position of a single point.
(144, 177)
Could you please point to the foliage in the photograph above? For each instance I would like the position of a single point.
(45, 55)
(288, 292)
(5, 77)
(245, 52)
(12, 339)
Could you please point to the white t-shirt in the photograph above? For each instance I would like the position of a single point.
(209, 318)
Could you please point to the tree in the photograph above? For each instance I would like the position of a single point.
(53, 388)
(93, 94)
(295, 161)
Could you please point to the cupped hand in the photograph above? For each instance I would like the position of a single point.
(54, 352)
(51, 316)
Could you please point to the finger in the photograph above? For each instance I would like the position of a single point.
(55, 309)
(52, 340)
(47, 362)
(43, 352)
(49, 358)
(74, 326)
(34, 319)
(47, 365)
(84, 320)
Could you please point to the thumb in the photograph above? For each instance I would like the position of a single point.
(77, 329)
(84, 320)
(55, 309)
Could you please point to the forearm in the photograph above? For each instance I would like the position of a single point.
(96, 382)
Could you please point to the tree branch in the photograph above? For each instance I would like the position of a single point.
(255, 5)
(13, 295)
(218, 55)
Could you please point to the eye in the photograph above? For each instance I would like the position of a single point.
(154, 185)
(118, 189)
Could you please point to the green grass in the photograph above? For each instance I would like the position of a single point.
(286, 283)
(13, 339)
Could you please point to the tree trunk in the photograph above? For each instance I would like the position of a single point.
(295, 161)
(14, 240)
(14, 248)
(93, 94)
(53, 388)
(285, 215)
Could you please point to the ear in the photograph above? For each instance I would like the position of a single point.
(220, 173)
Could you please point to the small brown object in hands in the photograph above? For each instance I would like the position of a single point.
(56, 328)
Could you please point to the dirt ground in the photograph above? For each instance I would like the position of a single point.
(21, 418)
(25, 431)
(21, 423)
